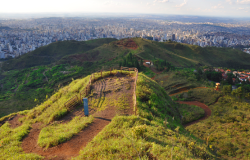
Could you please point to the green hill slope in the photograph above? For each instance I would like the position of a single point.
(187, 55)
(53, 52)
(154, 133)
(182, 55)
(104, 50)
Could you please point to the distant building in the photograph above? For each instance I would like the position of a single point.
(173, 37)
(2, 55)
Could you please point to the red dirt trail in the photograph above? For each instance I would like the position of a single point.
(13, 121)
(201, 105)
(71, 148)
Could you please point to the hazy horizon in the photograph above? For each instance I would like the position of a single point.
(212, 8)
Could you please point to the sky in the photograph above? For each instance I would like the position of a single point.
(221, 8)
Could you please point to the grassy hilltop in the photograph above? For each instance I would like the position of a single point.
(155, 132)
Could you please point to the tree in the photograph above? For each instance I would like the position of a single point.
(137, 64)
(124, 62)
(229, 79)
(238, 92)
(227, 89)
(141, 62)
(130, 57)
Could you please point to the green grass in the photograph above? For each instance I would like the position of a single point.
(135, 137)
(55, 134)
(190, 113)
(152, 133)
(52, 53)
(50, 110)
(204, 95)
(10, 142)
(62, 61)
(227, 128)
(176, 81)
(190, 55)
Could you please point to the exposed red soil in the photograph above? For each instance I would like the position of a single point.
(13, 121)
(127, 43)
(201, 105)
(72, 147)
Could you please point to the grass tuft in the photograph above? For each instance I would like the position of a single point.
(58, 133)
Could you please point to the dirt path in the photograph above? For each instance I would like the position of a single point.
(72, 147)
(201, 105)
(13, 121)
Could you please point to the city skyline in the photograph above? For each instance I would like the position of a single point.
(223, 8)
(18, 37)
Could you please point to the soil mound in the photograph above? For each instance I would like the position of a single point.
(127, 43)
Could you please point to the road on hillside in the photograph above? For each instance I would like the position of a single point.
(207, 110)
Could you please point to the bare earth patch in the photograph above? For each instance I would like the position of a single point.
(128, 43)
(13, 121)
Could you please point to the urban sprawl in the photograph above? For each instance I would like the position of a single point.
(18, 37)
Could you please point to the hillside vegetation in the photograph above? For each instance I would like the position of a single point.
(155, 132)
(39, 73)
(227, 128)
(104, 49)
(52, 53)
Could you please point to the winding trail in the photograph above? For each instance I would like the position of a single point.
(207, 110)
(71, 148)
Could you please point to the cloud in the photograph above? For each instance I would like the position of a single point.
(229, 1)
(219, 6)
(182, 4)
(243, 1)
(111, 3)
(107, 3)
(161, 1)
(238, 1)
